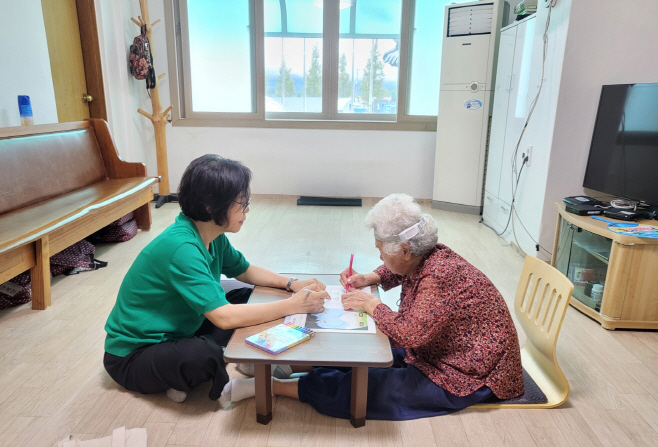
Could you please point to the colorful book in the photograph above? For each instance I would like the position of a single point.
(280, 337)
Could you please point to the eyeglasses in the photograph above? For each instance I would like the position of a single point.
(243, 205)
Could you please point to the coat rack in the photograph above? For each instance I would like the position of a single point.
(158, 117)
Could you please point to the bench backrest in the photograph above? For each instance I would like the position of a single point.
(37, 167)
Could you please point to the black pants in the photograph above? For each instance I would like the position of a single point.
(181, 365)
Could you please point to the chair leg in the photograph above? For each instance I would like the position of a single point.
(40, 274)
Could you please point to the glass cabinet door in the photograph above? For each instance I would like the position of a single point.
(583, 258)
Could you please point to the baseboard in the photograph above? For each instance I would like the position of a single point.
(456, 207)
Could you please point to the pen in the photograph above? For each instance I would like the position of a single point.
(347, 286)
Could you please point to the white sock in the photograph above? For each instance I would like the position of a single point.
(239, 389)
(176, 396)
(278, 371)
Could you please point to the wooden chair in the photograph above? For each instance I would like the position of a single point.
(541, 302)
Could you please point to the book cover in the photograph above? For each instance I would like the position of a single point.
(279, 338)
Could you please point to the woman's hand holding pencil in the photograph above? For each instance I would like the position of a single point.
(357, 280)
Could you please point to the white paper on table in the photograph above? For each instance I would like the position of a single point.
(335, 318)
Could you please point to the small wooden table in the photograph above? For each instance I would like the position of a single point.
(358, 351)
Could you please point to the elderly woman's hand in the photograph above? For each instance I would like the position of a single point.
(358, 280)
(359, 300)
(300, 284)
(309, 300)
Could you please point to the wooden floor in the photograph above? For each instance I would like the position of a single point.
(52, 382)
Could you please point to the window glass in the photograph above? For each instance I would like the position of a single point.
(293, 58)
(272, 16)
(223, 67)
(345, 13)
(368, 65)
(220, 55)
(304, 16)
(425, 58)
(378, 16)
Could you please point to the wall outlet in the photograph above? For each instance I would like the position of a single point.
(527, 153)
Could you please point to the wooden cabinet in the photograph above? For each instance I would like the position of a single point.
(627, 267)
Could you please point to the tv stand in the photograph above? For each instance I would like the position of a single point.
(587, 252)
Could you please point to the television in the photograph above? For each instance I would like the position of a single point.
(623, 157)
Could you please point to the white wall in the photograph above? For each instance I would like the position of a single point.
(608, 43)
(316, 162)
(132, 132)
(283, 161)
(25, 63)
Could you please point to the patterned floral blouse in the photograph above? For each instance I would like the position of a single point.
(454, 326)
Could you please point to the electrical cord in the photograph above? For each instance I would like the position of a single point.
(549, 4)
(528, 233)
(513, 210)
(623, 204)
(533, 103)
(509, 217)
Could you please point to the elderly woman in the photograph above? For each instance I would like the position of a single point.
(454, 341)
(172, 316)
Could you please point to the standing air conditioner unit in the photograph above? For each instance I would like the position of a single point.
(470, 43)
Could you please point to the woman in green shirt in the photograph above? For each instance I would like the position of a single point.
(172, 317)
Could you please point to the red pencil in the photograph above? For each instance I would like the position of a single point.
(347, 286)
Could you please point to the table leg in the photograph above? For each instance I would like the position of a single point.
(359, 396)
(263, 377)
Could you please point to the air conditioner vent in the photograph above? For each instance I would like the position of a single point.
(470, 20)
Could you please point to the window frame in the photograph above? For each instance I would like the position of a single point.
(176, 19)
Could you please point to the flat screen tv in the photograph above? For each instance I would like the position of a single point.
(623, 157)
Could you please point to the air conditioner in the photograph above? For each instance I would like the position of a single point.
(468, 61)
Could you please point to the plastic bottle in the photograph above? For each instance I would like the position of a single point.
(25, 110)
(597, 293)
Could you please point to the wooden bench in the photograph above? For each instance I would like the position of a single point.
(60, 183)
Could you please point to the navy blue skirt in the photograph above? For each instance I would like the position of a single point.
(397, 393)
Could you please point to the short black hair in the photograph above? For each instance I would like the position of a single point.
(210, 185)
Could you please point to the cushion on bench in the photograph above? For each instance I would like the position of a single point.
(38, 167)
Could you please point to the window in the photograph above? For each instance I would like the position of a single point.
(357, 64)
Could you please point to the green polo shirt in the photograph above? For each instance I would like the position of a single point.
(171, 284)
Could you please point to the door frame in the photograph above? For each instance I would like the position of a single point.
(91, 55)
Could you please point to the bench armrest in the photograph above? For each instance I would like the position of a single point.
(115, 166)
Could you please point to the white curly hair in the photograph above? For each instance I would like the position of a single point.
(396, 213)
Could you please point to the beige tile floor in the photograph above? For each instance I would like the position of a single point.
(52, 382)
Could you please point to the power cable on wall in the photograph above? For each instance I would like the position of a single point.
(516, 178)
(509, 217)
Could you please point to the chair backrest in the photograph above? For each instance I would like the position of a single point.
(541, 302)
(36, 167)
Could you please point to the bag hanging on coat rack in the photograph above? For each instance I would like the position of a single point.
(140, 60)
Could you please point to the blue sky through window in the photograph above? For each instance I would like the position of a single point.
(220, 59)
